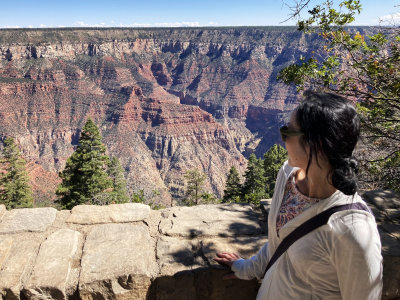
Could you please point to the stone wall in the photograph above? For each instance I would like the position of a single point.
(128, 251)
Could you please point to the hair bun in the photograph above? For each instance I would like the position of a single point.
(352, 163)
(344, 176)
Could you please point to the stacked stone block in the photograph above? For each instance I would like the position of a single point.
(128, 251)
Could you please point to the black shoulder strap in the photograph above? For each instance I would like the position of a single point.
(310, 225)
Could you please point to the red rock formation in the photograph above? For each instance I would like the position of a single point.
(166, 101)
(43, 183)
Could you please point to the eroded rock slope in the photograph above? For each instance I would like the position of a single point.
(166, 100)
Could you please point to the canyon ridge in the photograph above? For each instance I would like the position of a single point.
(165, 100)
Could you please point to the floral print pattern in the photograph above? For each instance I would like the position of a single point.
(293, 203)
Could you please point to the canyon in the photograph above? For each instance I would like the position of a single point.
(166, 100)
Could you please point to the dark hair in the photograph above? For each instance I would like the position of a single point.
(331, 125)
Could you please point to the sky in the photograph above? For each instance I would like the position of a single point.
(171, 13)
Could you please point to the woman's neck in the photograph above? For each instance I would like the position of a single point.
(316, 183)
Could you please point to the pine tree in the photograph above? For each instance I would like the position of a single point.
(254, 185)
(85, 178)
(233, 187)
(116, 173)
(194, 186)
(15, 191)
(273, 161)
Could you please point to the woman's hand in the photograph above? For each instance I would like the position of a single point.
(227, 259)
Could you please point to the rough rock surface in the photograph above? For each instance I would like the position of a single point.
(19, 252)
(166, 100)
(114, 213)
(25, 219)
(119, 260)
(210, 220)
(49, 278)
(144, 258)
(386, 206)
(2, 210)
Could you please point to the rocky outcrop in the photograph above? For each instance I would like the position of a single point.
(128, 251)
(166, 100)
(124, 251)
(386, 208)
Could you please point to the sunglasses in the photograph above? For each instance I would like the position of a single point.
(285, 132)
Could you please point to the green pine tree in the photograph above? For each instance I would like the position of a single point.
(233, 187)
(273, 161)
(116, 173)
(15, 191)
(85, 178)
(254, 185)
(194, 186)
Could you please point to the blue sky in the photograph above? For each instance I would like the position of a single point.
(149, 13)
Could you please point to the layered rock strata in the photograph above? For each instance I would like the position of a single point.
(128, 251)
(166, 100)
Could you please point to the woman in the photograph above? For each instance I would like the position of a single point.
(339, 260)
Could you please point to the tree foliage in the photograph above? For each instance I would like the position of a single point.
(194, 186)
(366, 69)
(15, 190)
(233, 187)
(260, 177)
(273, 161)
(151, 199)
(138, 197)
(254, 186)
(119, 193)
(209, 198)
(85, 178)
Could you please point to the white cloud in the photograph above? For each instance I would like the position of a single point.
(80, 23)
(178, 24)
(159, 24)
(115, 24)
(392, 18)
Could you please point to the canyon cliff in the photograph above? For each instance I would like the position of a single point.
(166, 100)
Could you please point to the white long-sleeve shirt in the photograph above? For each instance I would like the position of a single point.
(339, 260)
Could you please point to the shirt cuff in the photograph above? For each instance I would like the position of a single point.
(237, 266)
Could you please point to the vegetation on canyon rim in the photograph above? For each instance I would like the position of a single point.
(259, 181)
(15, 191)
(92, 177)
(259, 177)
(366, 69)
